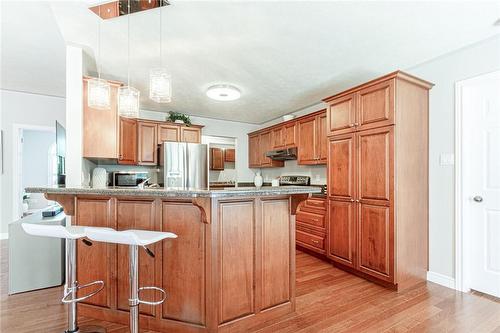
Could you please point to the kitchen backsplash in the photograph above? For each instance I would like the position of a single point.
(316, 172)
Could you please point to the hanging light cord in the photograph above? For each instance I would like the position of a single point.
(128, 45)
(161, 48)
(99, 45)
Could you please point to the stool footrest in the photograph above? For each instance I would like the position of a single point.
(139, 301)
(65, 299)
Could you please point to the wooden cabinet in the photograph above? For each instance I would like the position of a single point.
(128, 141)
(107, 10)
(216, 159)
(312, 142)
(96, 262)
(290, 134)
(258, 145)
(100, 127)
(136, 214)
(379, 131)
(311, 222)
(168, 133)
(229, 155)
(147, 143)
(365, 108)
(278, 137)
(254, 151)
(191, 134)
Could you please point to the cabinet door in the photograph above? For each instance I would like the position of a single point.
(96, 262)
(278, 137)
(191, 134)
(229, 155)
(169, 133)
(136, 214)
(342, 167)
(375, 164)
(290, 133)
(376, 106)
(216, 159)
(322, 139)
(265, 146)
(254, 151)
(147, 148)
(376, 241)
(342, 232)
(307, 141)
(342, 115)
(100, 128)
(128, 141)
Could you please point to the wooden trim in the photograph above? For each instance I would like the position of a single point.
(312, 114)
(397, 74)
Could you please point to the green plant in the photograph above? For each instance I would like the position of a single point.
(173, 116)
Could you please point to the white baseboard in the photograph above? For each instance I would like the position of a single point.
(441, 279)
(4, 235)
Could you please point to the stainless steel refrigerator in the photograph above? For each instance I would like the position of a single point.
(183, 165)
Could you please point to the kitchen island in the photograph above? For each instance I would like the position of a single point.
(231, 268)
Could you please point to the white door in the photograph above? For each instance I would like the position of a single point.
(481, 182)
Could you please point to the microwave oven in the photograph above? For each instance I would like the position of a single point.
(129, 178)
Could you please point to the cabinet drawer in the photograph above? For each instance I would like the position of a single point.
(309, 239)
(311, 218)
(315, 204)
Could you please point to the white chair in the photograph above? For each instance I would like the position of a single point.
(134, 239)
(71, 234)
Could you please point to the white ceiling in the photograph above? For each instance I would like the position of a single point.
(32, 49)
(283, 56)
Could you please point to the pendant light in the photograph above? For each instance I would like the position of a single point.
(128, 97)
(98, 90)
(160, 81)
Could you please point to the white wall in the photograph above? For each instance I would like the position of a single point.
(444, 71)
(231, 129)
(27, 109)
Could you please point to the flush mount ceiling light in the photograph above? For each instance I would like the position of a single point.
(223, 92)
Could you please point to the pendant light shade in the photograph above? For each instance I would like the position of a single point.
(128, 102)
(160, 85)
(98, 94)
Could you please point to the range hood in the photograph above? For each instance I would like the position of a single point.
(283, 154)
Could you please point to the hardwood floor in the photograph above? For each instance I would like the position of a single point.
(328, 300)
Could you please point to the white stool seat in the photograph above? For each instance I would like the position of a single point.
(127, 237)
(57, 231)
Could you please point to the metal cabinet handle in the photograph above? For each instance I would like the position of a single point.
(351, 125)
(352, 200)
(478, 198)
(357, 200)
(356, 124)
(315, 241)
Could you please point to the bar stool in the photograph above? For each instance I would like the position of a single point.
(71, 234)
(134, 239)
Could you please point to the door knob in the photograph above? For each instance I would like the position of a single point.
(478, 198)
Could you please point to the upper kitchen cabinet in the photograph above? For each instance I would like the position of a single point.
(100, 127)
(258, 145)
(191, 134)
(278, 137)
(229, 155)
(169, 133)
(290, 134)
(216, 159)
(147, 143)
(312, 142)
(360, 108)
(128, 141)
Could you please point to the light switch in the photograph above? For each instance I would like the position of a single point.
(447, 159)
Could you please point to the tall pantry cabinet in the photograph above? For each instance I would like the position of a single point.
(378, 179)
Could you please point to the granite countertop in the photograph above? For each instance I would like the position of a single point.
(178, 192)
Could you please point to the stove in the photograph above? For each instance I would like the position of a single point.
(295, 180)
(299, 181)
